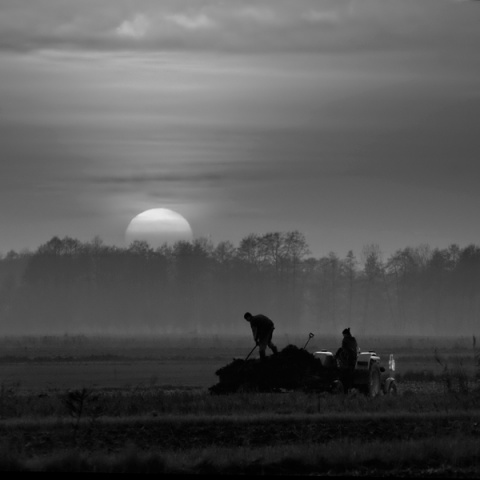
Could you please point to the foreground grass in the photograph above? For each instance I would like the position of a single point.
(81, 444)
(338, 456)
(263, 443)
(432, 427)
(412, 397)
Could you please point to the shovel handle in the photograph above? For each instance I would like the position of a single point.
(251, 351)
(310, 336)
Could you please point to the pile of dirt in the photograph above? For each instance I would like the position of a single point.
(292, 368)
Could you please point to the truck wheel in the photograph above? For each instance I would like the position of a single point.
(392, 389)
(374, 381)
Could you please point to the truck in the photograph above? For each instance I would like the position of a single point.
(295, 368)
(368, 376)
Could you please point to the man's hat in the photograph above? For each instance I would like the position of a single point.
(346, 331)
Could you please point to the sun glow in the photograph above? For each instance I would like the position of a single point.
(158, 226)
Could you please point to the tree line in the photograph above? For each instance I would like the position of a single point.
(69, 286)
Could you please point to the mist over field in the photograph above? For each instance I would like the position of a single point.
(201, 288)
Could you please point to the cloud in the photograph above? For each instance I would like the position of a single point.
(149, 178)
(269, 26)
(321, 17)
(136, 28)
(189, 22)
(260, 14)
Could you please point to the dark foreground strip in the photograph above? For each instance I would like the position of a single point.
(110, 434)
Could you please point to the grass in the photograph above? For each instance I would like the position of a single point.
(417, 392)
(337, 456)
(162, 397)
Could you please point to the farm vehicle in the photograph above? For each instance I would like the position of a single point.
(368, 376)
(295, 368)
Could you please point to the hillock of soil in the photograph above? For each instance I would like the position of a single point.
(292, 368)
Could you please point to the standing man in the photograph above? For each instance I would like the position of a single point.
(347, 353)
(262, 329)
(347, 358)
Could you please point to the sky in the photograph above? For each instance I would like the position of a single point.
(352, 121)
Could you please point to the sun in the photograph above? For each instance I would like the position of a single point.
(158, 226)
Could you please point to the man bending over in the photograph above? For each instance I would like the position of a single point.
(262, 329)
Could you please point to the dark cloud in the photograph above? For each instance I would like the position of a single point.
(154, 178)
(200, 174)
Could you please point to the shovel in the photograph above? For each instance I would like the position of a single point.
(251, 351)
(310, 336)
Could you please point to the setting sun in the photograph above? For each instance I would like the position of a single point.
(158, 226)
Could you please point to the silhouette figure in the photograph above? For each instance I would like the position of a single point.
(262, 329)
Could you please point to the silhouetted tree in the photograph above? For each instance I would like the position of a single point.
(70, 286)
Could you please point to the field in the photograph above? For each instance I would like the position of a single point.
(141, 404)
